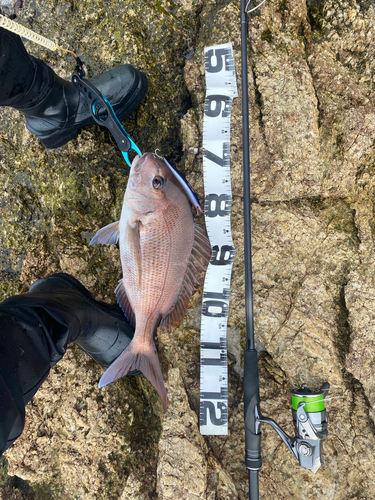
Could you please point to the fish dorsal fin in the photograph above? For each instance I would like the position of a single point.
(199, 259)
(107, 235)
(123, 301)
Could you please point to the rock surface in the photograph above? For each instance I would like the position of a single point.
(312, 123)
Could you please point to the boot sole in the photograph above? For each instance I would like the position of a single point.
(61, 137)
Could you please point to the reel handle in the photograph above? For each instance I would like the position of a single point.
(310, 423)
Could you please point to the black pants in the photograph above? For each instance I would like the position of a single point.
(19, 85)
(28, 349)
(16, 76)
(32, 339)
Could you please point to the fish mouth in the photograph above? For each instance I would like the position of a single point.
(135, 161)
(134, 172)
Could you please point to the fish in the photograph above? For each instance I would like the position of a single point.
(163, 254)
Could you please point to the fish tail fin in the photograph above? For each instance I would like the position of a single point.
(132, 359)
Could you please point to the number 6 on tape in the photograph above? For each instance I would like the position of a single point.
(221, 88)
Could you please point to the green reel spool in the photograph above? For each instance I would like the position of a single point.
(314, 401)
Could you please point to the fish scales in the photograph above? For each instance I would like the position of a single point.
(162, 255)
(163, 259)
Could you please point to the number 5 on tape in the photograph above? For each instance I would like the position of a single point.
(221, 88)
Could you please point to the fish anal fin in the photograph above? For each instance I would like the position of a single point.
(132, 359)
(198, 262)
(107, 235)
(124, 303)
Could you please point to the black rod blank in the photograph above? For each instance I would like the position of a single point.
(253, 459)
(246, 184)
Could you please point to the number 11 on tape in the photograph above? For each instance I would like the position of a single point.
(221, 88)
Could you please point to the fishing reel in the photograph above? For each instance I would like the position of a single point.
(310, 423)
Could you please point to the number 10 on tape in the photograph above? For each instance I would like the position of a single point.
(221, 88)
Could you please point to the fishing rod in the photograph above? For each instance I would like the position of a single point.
(309, 414)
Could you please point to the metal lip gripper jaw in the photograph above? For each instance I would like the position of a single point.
(310, 423)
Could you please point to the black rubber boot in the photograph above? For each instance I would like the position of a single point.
(35, 329)
(101, 330)
(59, 117)
(54, 109)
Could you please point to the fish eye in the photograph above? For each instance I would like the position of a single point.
(158, 182)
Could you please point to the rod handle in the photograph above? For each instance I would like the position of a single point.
(253, 459)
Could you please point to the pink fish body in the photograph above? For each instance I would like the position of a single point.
(162, 254)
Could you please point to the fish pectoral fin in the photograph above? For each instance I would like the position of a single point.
(146, 361)
(132, 237)
(133, 222)
(124, 303)
(199, 259)
(107, 235)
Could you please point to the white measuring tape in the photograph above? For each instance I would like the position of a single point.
(221, 88)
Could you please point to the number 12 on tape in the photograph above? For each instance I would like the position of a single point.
(221, 88)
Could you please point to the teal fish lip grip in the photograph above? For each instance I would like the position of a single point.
(96, 101)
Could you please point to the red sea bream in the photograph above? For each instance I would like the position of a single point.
(162, 255)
